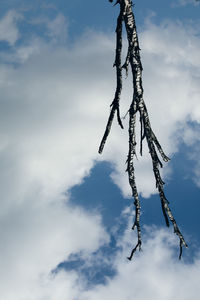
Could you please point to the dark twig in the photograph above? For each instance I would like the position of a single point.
(133, 59)
(131, 174)
(117, 64)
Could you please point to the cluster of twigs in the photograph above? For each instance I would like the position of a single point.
(133, 60)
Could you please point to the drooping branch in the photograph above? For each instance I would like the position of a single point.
(138, 105)
(115, 104)
(131, 174)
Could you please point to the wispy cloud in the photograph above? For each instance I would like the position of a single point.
(8, 27)
(56, 29)
(186, 2)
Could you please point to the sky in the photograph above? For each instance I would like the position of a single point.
(66, 212)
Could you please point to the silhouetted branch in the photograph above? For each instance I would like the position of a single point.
(117, 64)
(131, 174)
(138, 105)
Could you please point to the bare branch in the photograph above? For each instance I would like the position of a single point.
(117, 64)
(131, 174)
(138, 105)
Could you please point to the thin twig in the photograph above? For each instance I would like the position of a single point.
(131, 174)
(117, 64)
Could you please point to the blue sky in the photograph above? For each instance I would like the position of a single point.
(66, 212)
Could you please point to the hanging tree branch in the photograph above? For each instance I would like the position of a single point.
(138, 105)
(115, 104)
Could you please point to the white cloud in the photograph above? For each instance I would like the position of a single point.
(8, 27)
(36, 237)
(153, 274)
(51, 121)
(47, 125)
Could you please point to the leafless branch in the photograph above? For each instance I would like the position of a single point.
(138, 105)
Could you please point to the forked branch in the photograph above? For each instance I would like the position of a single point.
(133, 59)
